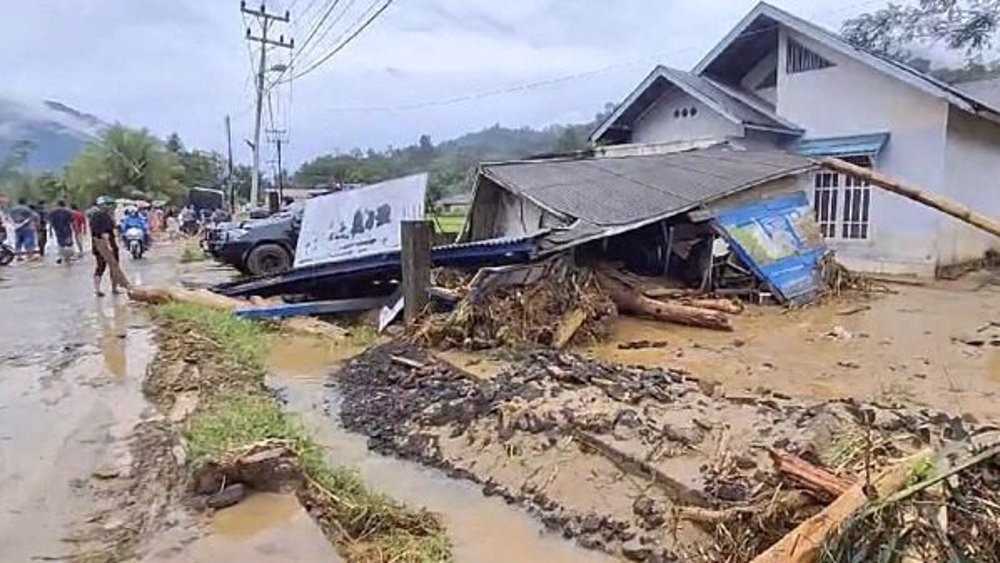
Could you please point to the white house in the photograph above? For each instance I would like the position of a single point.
(778, 80)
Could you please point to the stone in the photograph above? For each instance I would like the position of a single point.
(635, 550)
(227, 497)
(591, 523)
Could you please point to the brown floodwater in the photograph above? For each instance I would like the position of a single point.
(482, 529)
(902, 348)
(71, 367)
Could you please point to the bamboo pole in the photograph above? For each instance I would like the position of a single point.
(914, 193)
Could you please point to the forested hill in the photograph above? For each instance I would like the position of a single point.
(449, 163)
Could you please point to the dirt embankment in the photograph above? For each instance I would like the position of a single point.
(222, 436)
(649, 464)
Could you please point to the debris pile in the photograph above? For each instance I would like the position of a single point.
(560, 304)
(648, 464)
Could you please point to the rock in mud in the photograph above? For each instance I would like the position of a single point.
(227, 497)
(635, 550)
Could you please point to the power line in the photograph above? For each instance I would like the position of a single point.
(305, 51)
(550, 81)
(332, 4)
(371, 19)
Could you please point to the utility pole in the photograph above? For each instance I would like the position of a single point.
(279, 137)
(229, 176)
(264, 19)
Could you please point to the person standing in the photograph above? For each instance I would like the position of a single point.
(43, 228)
(102, 231)
(25, 228)
(79, 228)
(61, 220)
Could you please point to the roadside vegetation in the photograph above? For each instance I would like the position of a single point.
(235, 411)
(192, 254)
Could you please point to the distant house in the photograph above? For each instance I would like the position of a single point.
(779, 81)
(457, 204)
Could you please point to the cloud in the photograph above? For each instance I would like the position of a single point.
(182, 65)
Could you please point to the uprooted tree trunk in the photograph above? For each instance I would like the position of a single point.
(630, 299)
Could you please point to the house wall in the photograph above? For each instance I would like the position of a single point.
(972, 177)
(852, 98)
(659, 125)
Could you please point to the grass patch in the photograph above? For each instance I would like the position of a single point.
(368, 526)
(192, 254)
(240, 343)
(449, 223)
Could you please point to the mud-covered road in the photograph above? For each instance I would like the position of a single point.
(70, 370)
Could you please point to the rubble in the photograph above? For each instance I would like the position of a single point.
(695, 467)
(515, 315)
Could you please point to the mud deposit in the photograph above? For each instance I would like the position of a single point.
(604, 454)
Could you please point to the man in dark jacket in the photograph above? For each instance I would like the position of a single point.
(102, 232)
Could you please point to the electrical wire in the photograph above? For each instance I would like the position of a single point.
(371, 19)
(331, 5)
(305, 51)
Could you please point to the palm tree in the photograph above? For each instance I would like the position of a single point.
(124, 162)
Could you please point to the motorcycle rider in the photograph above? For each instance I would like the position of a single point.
(133, 219)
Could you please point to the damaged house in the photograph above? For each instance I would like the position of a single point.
(779, 81)
(718, 218)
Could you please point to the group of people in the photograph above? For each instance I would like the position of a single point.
(33, 223)
(69, 226)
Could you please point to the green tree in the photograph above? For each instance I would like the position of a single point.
(125, 162)
(969, 25)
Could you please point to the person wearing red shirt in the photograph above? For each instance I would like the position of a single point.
(79, 228)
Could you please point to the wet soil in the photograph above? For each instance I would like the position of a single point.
(904, 347)
(481, 529)
(70, 370)
(602, 453)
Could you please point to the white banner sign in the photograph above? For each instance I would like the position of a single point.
(360, 222)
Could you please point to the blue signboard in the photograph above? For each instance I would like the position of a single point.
(779, 240)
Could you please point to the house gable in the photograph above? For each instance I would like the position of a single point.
(713, 103)
(757, 34)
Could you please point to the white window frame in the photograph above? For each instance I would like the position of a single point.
(842, 205)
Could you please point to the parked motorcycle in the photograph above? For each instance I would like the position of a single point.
(135, 241)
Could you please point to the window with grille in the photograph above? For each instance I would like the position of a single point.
(842, 204)
(800, 59)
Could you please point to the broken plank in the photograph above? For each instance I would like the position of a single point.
(407, 362)
(802, 545)
(570, 324)
(676, 490)
(811, 476)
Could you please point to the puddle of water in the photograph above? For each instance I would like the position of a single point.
(253, 515)
(482, 530)
(308, 358)
(263, 528)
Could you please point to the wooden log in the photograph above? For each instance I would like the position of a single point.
(930, 199)
(814, 478)
(723, 305)
(677, 491)
(803, 544)
(629, 300)
(114, 267)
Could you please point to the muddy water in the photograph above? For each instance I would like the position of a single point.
(901, 349)
(482, 529)
(70, 372)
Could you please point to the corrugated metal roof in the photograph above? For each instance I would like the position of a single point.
(854, 145)
(635, 189)
(988, 91)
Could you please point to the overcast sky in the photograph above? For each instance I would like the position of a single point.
(181, 65)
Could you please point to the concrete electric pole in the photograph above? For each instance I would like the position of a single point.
(280, 138)
(265, 20)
